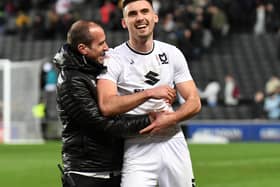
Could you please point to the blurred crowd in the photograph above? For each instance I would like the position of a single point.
(265, 103)
(193, 25)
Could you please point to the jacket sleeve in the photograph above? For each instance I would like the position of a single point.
(77, 100)
(125, 125)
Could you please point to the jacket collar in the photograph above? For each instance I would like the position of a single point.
(67, 58)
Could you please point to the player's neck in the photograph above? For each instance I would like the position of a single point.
(143, 46)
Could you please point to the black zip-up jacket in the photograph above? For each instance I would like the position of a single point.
(91, 142)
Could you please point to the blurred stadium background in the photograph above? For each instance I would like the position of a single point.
(218, 38)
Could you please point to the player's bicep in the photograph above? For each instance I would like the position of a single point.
(106, 90)
(188, 90)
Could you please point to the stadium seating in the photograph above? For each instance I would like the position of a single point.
(252, 59)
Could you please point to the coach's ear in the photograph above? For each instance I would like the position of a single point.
(123, 23)
(82, 48)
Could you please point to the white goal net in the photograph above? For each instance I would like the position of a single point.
(19, 92)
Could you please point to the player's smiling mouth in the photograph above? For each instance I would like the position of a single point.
(141, 26)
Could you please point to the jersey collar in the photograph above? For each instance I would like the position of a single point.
(140, 53)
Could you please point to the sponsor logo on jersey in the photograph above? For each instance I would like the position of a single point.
(151, 78)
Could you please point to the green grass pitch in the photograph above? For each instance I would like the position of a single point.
(236, 164)
(225, 165)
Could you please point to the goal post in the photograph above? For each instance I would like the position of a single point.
(20, 91)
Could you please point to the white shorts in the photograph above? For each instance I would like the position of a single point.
(157, 161)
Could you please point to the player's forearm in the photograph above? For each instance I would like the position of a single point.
(189, 109)
(116, 104)
(167, 119)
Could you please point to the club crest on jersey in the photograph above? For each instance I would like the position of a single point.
(163, 58)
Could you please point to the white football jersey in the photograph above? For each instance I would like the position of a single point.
(133, 71)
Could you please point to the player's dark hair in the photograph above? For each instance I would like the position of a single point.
(126, 2)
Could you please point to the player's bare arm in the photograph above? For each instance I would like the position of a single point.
(191, 107)
(111, 103)
(192, 104)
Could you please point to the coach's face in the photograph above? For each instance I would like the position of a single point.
(96, 50)
(139, 18)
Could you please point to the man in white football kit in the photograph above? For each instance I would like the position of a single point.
(159, 156)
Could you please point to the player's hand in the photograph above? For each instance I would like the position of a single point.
(163, 92)
(160, 121)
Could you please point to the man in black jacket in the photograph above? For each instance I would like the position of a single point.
(92, 144)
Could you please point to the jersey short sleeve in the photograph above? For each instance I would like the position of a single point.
(112, 62)
(182, 72)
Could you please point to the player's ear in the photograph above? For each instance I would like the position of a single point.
(156, 18)
(123, 23)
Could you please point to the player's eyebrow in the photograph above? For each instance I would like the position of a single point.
(145, 10)
(134, 12)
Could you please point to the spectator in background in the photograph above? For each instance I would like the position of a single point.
(39, 112)
(64, 23)
(272, 99)
(272, 86)
(168, 23)
(50, 80)
(259, 27)
(52, 21)
(211, 92)
(38, 28)
(197, 39)
(219, 22)
(184, 43)
(272, 20)
(105, 12)
(258, 111)
(63, 6)
(231, 91)
(241, 15)
(66, 15)
(23, 22)
(272, 106)
(166, 28)
(10, 8)
(115, 17)
(157, 5)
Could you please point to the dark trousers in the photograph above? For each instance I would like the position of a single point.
(84, 181)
